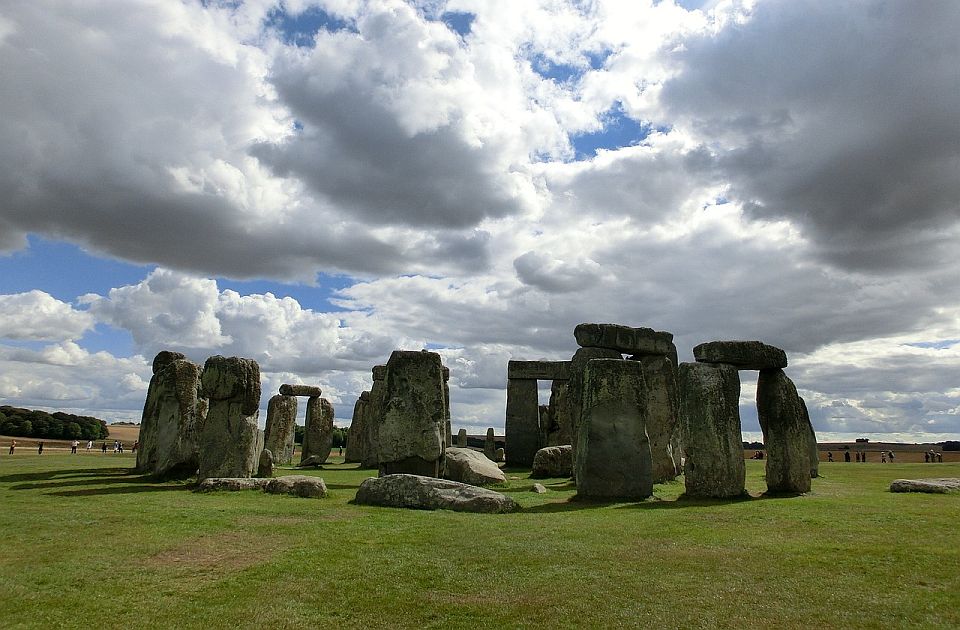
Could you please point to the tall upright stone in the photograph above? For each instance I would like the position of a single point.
(357, 434)
(462, 438)
(811, 442)
(786, 433)
(613, 452)
(712, 439)
(230, 442)
(411, 436)
(546, 421)
(318, 430)
(374, 418)
(663, 402)
(173, 414)
(522, 427)
(447, 436)
(559, 431)
(281, 428)
(490, 445)
(571, 406)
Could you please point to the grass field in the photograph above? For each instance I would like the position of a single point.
(86, 543)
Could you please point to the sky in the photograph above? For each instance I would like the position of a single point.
(313, 184)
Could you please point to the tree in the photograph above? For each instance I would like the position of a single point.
(73, 431)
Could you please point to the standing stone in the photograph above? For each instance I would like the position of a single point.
(500, 456)
(558, 430)
(462, 438)
(811, 443)
(613, 452)
(572, 401)
(663, 402)
(318, 431)
(522, 427)
(356, 435)
(786, 433)
(713, 442)
(411, 436)
(265, 464)
(173, 414)
(546, 420)
(490, 445)
(230, 442)
(374, 417)
(279, 434)
(625, 339)
(447, 436)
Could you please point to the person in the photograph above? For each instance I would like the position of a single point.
(104, 447)
(89, 444)
(40, 448)
(120, 447)
(863, 457)
(136, 445)
(891, 457)
(341, 451)
(883, 457)
(846, 456)
(73, 447)
(939, 457)
(829, 456)
(926, 457)
(13, 446)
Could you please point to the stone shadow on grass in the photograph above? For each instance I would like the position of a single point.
(118, 480)
(47, 475)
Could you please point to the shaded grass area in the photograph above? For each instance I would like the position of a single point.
(90, 544)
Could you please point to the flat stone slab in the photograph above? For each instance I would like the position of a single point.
(625, 339)
(933, 485)
(310, 391)
(294, 485)
(541, 370)
(428, 493)
(744, 355)
(231, 484)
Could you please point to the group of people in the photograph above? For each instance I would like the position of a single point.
(75, 444)
(933, 456)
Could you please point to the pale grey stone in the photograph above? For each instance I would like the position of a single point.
(281, 428)
(624, 339)
(375, 410)
(173, 415)
(356, 434)
(468, 466)
(318, 430)
(312, 461)
(745, 355)
(231, 484)
(462, 438)
(613, 452)
(539, 370)
(230, 442)
(539, 488)
(309, 391)
(663, 408)
(553, 461)
(713, 442)
(302, 486)
(428, 493)
(265, 465)
(490, 445)
(812, 448)
(932, 485)
(500, 455)
(786, 433)
(522, 426)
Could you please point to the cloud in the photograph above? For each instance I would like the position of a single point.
(555, 276)
(38, 316)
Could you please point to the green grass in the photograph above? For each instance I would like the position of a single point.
(86, 543)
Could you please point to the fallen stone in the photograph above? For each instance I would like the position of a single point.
(230, 442)
(302, 486)
(745, 355)
(428, 493)
(931, 485)
(539, 488)
(313, 461)
(231, 484)
(265, 467)
(468, 466)
(553, 461)
(786, 433)
(310, 391)
(625, 339)
(539, 370)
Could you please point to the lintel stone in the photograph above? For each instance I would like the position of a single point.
(542, 370)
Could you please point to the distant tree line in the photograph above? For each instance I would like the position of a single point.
(339, 436)
(756, 446)
(950, 445)
(54, 426)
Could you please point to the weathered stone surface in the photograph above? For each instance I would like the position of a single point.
(265, 464)
(624, 339)
(745, 355)
(230, 442)
(468, 466)
(713, 442)
(281, 428)
(318, 430)
(553, 461)
(165, 358)
(539, 488)
(462, 438)
(411, 436)
(310, 391)
(231, 484)
(173, 415)
(312, 461)
(571, 404)
(539, 370)
(613, 452)
(812, 449)
(378, 392)
(557, 423)
(379, 372)
(941, 485)
(302, 486)
(427, 493)
(544, 428)
(786, 433)
(522, 426)
(357, 434)
(663, 409)
(500, 456)
(490, 445)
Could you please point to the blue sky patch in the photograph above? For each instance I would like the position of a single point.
(458, 22)
(300, 29)
(619, 130)
(941, 344)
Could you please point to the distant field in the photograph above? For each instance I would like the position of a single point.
(89, 544)
(125, 433)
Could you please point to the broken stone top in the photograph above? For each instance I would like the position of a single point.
(165, 358)
(744, 355)
(380, 372)
(624, 339)
(541, 370)
(446, 373)
(224, 378)
(311, 391)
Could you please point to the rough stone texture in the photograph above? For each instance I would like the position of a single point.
(539, 488)
(427, 493)
(745, 355)
(546, 419)
(571, 407)
(500, 456)
(318, 430)
(302, 486)
(230, 442)
(313, 461)
(663, 409)
(522, 427)
(468, 466)
(490, 445)
(357, 434)
(539, 370)
(613, 452)
(265, 464)
(932, 485)
(710, 417)
(625, 339)
(165, 358)
(411, 436)
(812, 449)
(557, 422)
(280, 431)
(310, 391)
(373, 421)
(379, 372)
(462, 438)
(786, 433)
(173, 415)
(553, 461)
(447, 436)
(231, 484)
